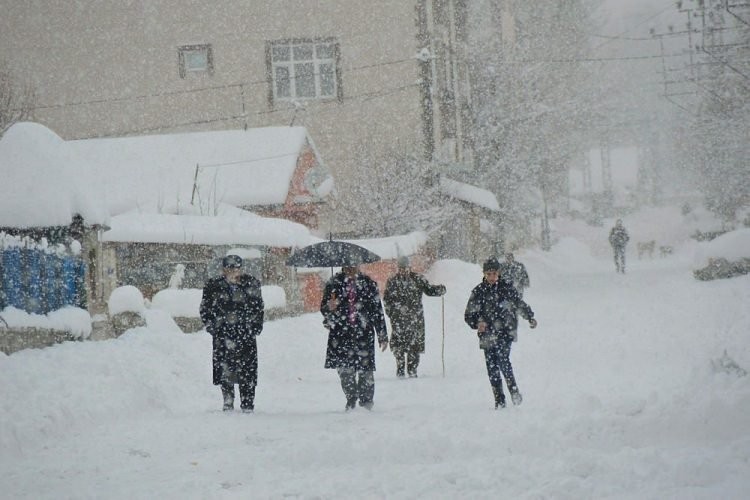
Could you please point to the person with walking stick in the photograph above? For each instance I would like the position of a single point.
(403, 305)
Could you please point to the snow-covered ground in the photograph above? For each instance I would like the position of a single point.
(624, 397)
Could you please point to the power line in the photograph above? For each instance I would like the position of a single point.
(634, 27)
(614, 37)
(241, 117)
(204, 89)
(355, 68)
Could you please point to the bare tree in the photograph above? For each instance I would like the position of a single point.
(397, 194)
(532, 98)
(16, 99)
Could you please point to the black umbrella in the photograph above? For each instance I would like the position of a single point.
(331, 254)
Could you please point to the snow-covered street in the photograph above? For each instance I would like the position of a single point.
(622, 399)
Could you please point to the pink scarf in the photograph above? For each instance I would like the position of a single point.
(351, 296)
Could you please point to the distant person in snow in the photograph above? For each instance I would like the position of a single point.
(514, 273)
(353, 314)
(618, 238)
(403, 305)
(232, 311)
(491, 311)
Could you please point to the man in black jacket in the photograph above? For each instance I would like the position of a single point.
(353, 314)
(232, 311)
(491, 311)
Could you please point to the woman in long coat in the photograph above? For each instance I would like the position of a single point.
(403, 305)
(353, 314)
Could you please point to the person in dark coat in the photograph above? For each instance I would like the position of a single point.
(514, 272)
(232, 311)
(618, 238)
(403, 305)
(353, 314)
(491, 311)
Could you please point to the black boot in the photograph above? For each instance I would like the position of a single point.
(400, 366)
(351, 403)
(228, 393)
(499, 396)
(247, 398)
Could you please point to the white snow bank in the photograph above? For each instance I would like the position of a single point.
(125, 299)
(186, 302)
(179, 303)
(70, 319)
(733, 246)
(273, 296)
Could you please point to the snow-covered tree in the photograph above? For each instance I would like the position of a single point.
(531, 98)
(715, 144)
(397, 194)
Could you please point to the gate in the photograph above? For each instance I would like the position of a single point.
(38, 278)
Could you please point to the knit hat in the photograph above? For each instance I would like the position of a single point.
(490, 264)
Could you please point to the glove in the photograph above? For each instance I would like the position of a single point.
(441, 289)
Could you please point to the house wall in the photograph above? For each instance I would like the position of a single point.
(149, 266)
(102, 68)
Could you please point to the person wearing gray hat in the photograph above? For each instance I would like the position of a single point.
(492, 311)
(232, 311)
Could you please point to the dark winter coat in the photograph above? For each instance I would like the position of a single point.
(233, 315)
(403, 305)
(352, 344)
(618, 237)
(497, 306)
(515, 274)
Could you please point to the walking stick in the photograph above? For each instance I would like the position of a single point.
(442, 317)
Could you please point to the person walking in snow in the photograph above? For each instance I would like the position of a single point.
(353, 314)
(491, 311)
(232, 311)
(403, 305)
(618, 238)
(515, 273)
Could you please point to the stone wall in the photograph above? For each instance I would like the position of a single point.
(17, 338)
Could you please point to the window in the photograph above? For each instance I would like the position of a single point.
(195, 59)
(303, 69)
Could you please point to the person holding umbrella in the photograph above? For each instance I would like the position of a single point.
(403, 304)
(353, 314)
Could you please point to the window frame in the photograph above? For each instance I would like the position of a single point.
(184, 50)
(292, 63)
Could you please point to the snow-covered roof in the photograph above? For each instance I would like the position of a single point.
(48, 180)
(393, 247)
(468, 193)
(238, 167)
(239, 228)
(44, 182)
